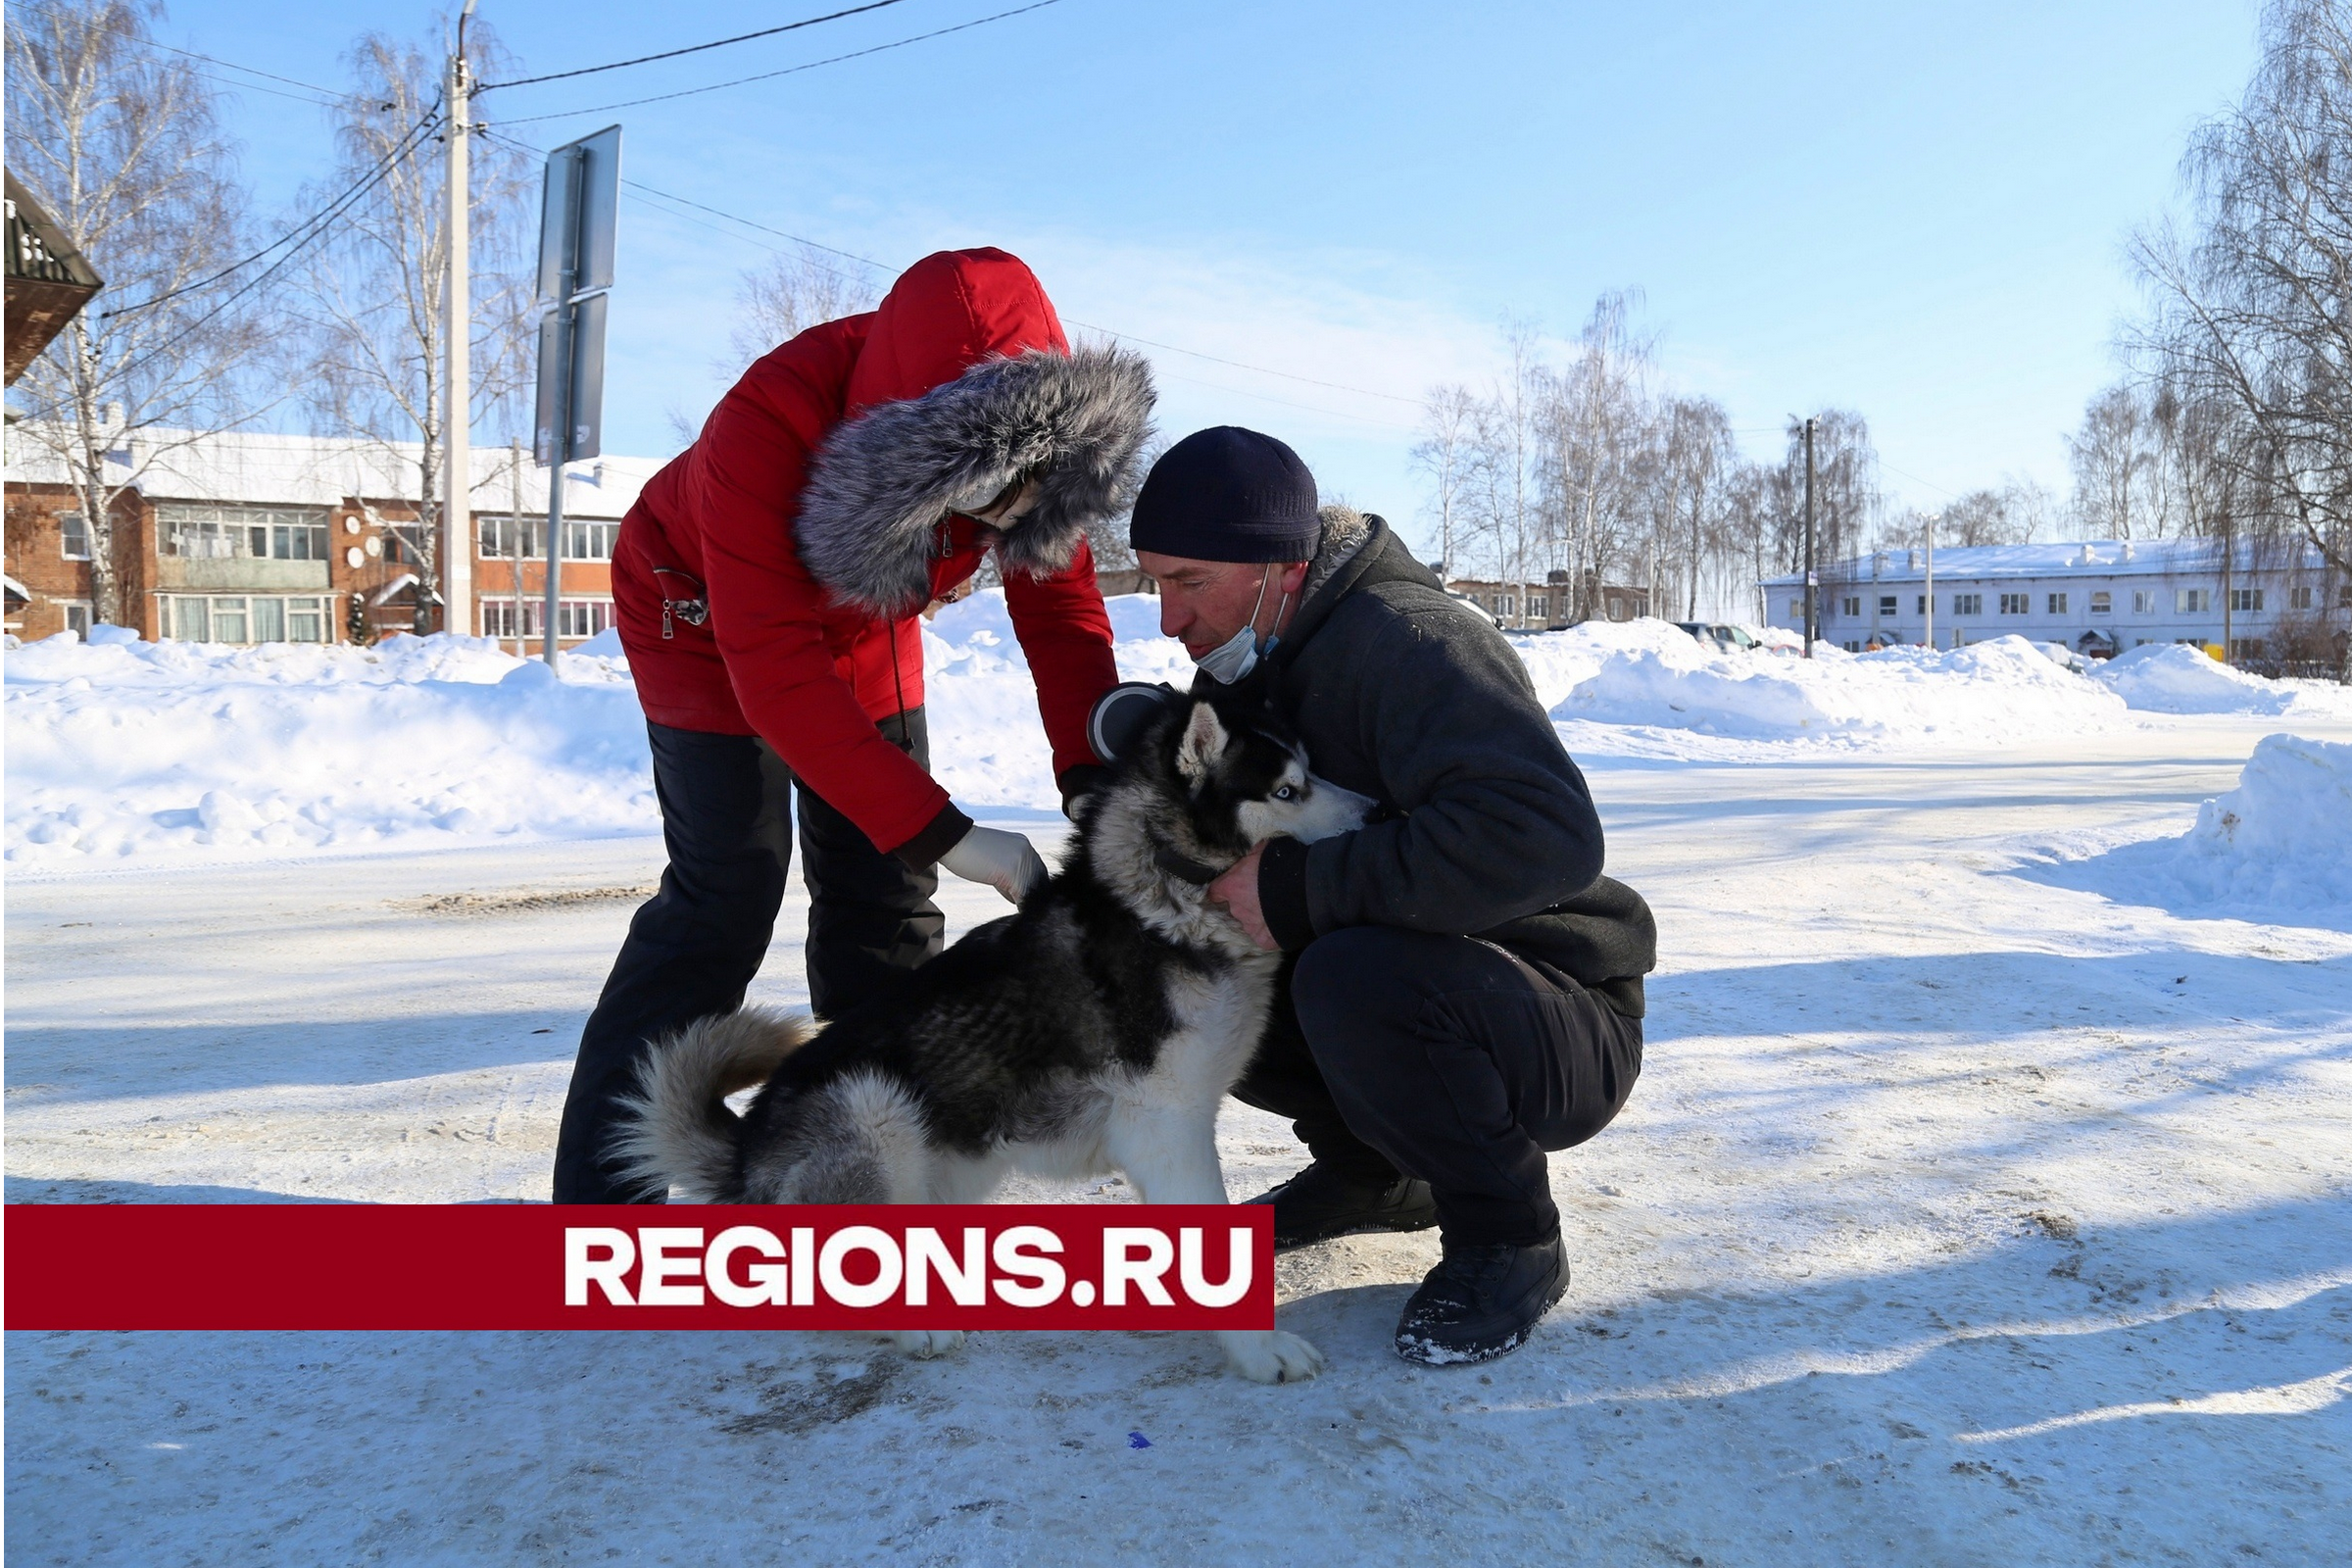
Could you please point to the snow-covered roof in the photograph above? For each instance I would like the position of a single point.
(2094, 558)
(265, 469)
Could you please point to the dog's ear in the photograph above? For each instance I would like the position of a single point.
(1203, 743)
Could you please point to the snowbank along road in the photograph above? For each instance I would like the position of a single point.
(1984, 1201)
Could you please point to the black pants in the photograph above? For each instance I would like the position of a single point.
(1449, 1059)
(695, 945)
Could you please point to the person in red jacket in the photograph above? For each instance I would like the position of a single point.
(769, 585)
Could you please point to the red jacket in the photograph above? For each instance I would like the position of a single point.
(813, 512)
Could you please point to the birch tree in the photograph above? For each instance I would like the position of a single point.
(373, 360)
(1447, 454)
(123, 146)
(2251, 295)
(791, 292)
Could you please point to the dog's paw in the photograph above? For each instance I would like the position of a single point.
(1271, 1356)
(925, 1343)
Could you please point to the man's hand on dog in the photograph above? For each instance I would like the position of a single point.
(1235, 893)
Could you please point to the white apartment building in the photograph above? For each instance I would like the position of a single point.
(2100, 597)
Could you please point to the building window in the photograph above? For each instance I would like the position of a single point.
(574, 618)
(2057, 604)
(2102, 602)
(1887, 603)
(2245, 647)
(2298, 597)
(1968, 604)
(1854, 606)
(500, 535)
(202, 532)
(245, 618)
(1923, 605)
(1797, 609)
(73, 536)
(589, 541)
(2192, 600)
(77, 615)
(2242, 600)
(2015, 603)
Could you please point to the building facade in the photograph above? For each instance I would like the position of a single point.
(2103, 597)
(260, 538)
(1547, 605)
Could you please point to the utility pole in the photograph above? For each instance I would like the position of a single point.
(1932, 516)
(514, 538)
(1812, 573)
(457, 512)
(2228, 560)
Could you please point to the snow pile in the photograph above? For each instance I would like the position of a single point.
(129, 747)
(1997, 691)
(988, 746)
(1558, 661)
(2175, 678)
(2283, 839)
(126, 749)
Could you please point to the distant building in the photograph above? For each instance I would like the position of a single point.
(2099, 598)
(1548, 605)
(255, 538)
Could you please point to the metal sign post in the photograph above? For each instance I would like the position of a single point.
(576, 227)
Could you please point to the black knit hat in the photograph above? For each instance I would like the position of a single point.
(1228, 494)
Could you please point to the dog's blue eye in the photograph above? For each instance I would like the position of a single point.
(1284, 792)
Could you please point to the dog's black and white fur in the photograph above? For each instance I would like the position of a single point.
(1095, 1030)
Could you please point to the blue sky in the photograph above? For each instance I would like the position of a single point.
(1918, 212)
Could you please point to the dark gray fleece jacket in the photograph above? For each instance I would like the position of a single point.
(1414, 699)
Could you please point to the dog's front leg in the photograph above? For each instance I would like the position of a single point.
(1172, 1159)
(950, 1179)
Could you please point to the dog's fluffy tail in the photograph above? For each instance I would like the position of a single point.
(677, 1134)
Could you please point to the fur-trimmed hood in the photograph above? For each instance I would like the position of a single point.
(885, 480)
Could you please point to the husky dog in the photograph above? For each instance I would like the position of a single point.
(1095, 1030)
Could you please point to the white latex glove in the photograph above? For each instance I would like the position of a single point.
(1006, 862)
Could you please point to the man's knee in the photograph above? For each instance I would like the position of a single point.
(1362, 981)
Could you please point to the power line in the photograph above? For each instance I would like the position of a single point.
(317, 225)
(867, 261)
(400, 149)
(153, 43)
(691, 49)
(770, 75)
(645, 190)
(1916, 480)
(1336, 387)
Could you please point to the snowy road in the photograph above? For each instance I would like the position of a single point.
(1963, 1215)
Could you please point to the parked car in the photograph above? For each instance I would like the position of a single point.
(1471, 600)
(1719, 636)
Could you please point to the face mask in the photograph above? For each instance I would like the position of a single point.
(1238, 654)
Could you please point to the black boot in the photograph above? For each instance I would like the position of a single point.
(1481, 1301)
(1321, 1202)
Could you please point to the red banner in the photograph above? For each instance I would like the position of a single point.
(675, 1266)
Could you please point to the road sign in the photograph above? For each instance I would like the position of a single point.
(578, 221)
(577, 217)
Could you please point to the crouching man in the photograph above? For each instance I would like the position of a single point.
(1466, 992)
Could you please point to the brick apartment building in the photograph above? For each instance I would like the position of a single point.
(258, 538)
(1547, 605)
